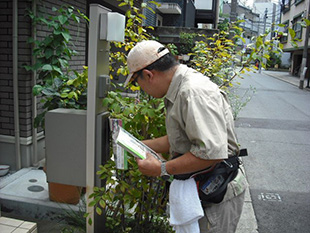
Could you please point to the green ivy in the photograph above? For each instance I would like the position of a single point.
(59, 86)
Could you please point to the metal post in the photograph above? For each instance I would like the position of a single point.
(303, 67)
(273, 20)
(98, 64)
(264, 30)
(15, 86)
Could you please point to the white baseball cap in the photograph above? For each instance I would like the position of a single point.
(143, 54)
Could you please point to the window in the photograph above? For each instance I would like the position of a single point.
(203, 5)
(286, 5)
(297, 26)
(284, 36)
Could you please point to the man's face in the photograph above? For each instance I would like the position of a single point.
(149, 82)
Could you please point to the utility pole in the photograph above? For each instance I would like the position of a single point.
(265, 19)
(273, 20)
(264, 30)
(233, 11)
(305, 54)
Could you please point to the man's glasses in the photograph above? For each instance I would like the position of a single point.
(134, 81)
(135, 78)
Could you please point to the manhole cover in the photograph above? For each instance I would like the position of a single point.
(35, 188)
(33, 180)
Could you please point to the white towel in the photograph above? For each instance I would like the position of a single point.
(185, 206)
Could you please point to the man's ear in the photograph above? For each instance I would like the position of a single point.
(147, 74)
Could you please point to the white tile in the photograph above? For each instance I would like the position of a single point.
(10, 222)
(34, 231)
(21, 230)
(6, 229)
(29, 225)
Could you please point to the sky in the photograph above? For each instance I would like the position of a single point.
(249, 3)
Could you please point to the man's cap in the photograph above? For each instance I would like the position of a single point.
(143, 54)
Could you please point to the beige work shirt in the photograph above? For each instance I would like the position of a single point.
(199, 119)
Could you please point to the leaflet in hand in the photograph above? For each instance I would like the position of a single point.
(133, 145)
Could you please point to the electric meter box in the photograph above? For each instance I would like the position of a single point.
(65, 142)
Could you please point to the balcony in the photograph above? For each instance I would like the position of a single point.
(170, 8)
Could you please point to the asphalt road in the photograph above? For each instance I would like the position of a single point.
(275, 128)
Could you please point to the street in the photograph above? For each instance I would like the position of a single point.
(275, 128)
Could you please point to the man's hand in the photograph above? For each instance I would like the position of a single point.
(149, 166)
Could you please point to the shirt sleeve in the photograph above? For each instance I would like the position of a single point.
(205, 125)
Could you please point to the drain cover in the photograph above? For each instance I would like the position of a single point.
(33, 180)
(35, 188)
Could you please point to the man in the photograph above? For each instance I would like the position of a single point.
(199, 124)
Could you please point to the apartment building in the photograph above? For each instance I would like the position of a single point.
(292, 13)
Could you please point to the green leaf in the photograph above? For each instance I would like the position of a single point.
(307, 22)
(64, 95)
(56, 68)
(64, 63)
(48, 53)
(76, 18)
(123, 4)
(48, 91)
(57, 82)
(47, 67)
(36, 90)
(28, 68)
(98, 211)
(62, 19)
(72, 94)
(259, 41)
(102, 204)
(66, 36)
(292, 33)
(105, 102)
(92, 203)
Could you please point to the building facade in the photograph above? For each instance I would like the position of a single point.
(292, 14)
(250, 18)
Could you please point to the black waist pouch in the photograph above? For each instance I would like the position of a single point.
(212, 184)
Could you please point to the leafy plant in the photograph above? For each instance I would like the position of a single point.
(238, 101)
(275, 59)
(134, 32)
(187, 42)
(220, 58)
(173, 49)
(133, 202)
(130, 201)
(59, 86)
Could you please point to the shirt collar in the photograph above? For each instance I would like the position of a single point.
(175, 83)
